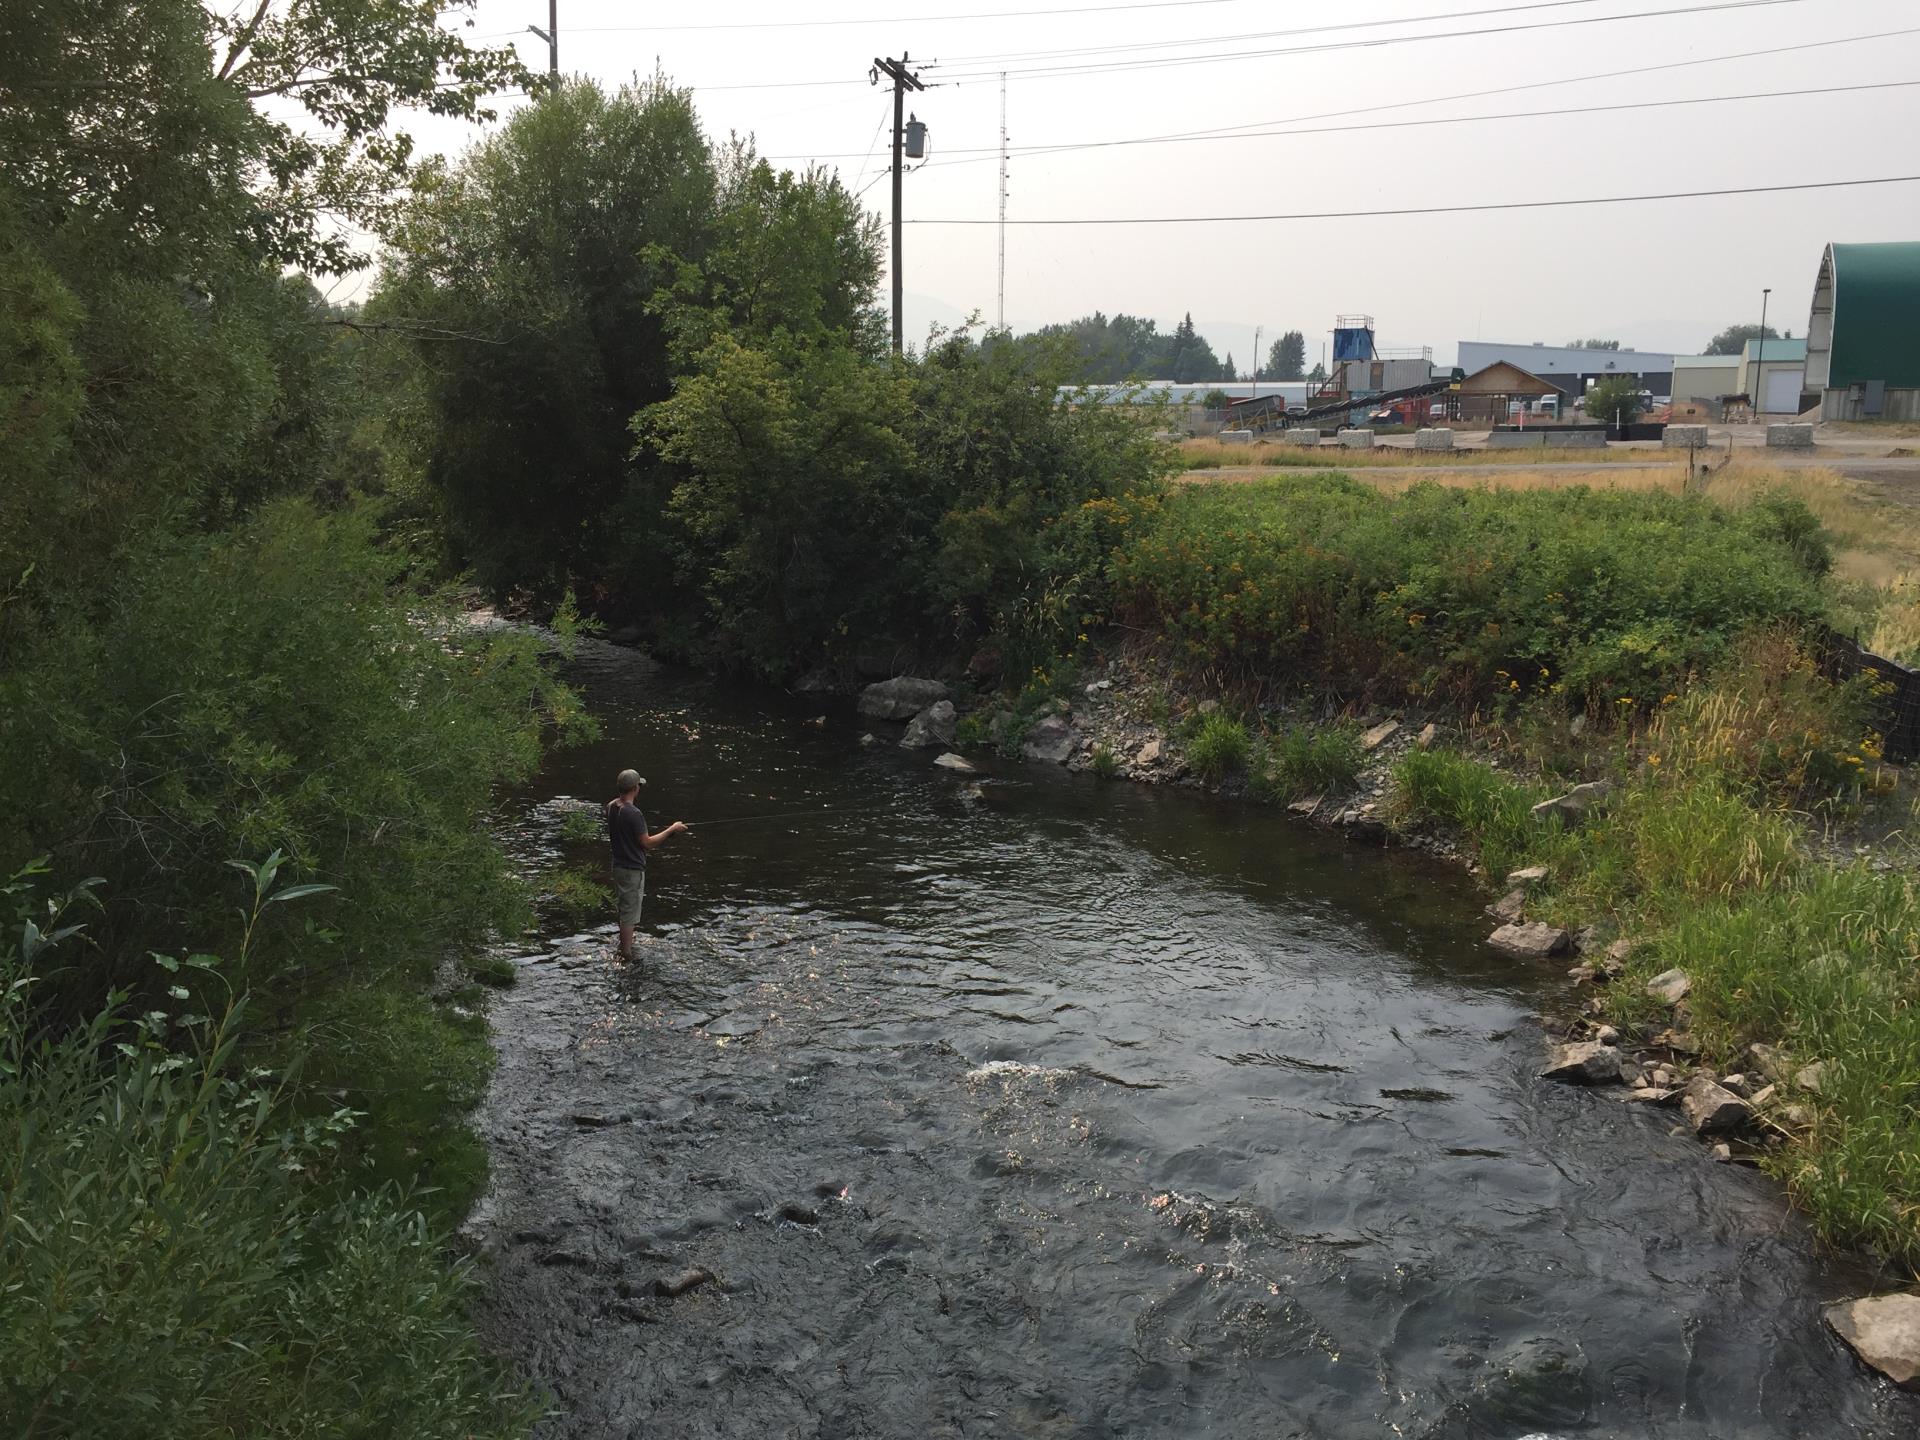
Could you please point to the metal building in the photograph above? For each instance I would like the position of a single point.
(1572, 370)
(1863, 341)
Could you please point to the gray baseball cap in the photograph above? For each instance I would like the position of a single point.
(628, 780)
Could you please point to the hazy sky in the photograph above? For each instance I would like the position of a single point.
(1660, 275)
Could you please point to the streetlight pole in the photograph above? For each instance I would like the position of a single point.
(1760, 359)
(1256, 364)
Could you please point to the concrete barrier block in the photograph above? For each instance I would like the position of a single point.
(1685, 437)
(1362, 439)
(1433, 439)
(1516, 440)
(1235, 437)
(1789, 437)
(1304, 435)
(1576, 440)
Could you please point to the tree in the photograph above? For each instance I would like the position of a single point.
(1287, 358)
(1733, 340)
(1594, 345)
(1188, 356)
(1227, 372)
(1615, 401)
(1317, 375)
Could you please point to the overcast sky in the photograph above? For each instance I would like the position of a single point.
(1663, 275)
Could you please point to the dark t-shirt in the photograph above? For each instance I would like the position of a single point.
(626, 827)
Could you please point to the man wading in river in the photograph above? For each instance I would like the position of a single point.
(627, 832)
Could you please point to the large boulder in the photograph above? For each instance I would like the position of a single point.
(1572, 807)
(900, 698)
(1711, 1108)
(1585, 1063)
(1533, 941)
(1051, 740)
(932, 726)
(1884, 1331)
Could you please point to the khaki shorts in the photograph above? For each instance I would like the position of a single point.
(630, 889)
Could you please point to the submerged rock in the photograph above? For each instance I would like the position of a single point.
(1711, 1108)
(951, 761)
(1532, 941)
(1585, 1063)
(683, 1281)
(1884, 1331)
(900, 698)
(1670, 986)
(934, 725)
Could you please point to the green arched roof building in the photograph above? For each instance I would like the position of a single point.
(1865, 328)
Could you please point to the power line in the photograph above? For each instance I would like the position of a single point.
(978, 154)
(903, 19)
(1266, 34)
(1441, 209)
(1113, 67)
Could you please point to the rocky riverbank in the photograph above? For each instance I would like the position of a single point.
(1130, 721)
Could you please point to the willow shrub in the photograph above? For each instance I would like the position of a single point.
(172, 1258)
(1464, 594)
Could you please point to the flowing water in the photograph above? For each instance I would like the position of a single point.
(1061, 1109)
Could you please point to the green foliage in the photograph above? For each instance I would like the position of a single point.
(583, 825)
(1109, 350)
(1614, 402)
(575, 897)
(494, 970)
(1457, 593)
(1733, 340)
(1491, 809)
(185, 1262)
(1220, 745)
(1103, 762)
(1313, 760)
(1287, 358)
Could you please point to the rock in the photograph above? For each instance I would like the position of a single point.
(795, 1213)
(1812, 1077)
(951, 761)
(818, 722)
(900, 698)
(1678, 1041)
(1532, 875)
(1712, 1109)
(932, 726)
(1147, 754)
(1425, 739)
(1662, 1077)
(1607, 1035)
(819, 681)
(1621, 950)
(1799, 1117)
(1670, 986)
(1722, 1152)
(1770, 1060)
(1533, 941)
(1764, 1096)
(679, 1284)
(868, 740)
(1209, 707)
(1585, 1063)
(1364, 828)
(985, 664)
(1884, 1331)
(1307, 807)
(1051, 740)
(1379, 734)
(1654, 1095)
(1737, 1083)
(1509, 908)
(1577, 726)
(1571, 808)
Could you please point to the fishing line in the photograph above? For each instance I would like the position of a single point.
(784, 815)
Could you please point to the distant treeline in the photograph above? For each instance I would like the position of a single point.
(1105, 350)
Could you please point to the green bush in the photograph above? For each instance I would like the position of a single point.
(1103, 762)
(177, 1254)
(1220, 745)
(576, 898)
(1461, 594)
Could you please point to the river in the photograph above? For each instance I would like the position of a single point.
(1053, 1108)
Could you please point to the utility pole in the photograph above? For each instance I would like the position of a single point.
(1003, 201)
(1256, 364)
(552, 36)
(903, 81)
(1760, 359)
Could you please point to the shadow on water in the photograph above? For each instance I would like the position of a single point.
(1049, 1108)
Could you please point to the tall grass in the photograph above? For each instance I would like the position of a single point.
(1220, 745)
(1701, 857)
(1305, 760)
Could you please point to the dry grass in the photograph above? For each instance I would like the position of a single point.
(1875, 429)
